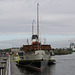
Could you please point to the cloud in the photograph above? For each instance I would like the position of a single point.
(17, 13)
(57, 17)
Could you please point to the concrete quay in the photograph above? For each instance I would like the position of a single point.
(8, 66)
(3, 62)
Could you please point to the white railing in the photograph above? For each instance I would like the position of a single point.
(8, 67)
(9, 71)
(6, 72)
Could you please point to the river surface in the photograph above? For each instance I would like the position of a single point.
(65, 65)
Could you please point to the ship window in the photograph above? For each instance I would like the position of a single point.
(37, 44)
(34, 44)
(20, 54)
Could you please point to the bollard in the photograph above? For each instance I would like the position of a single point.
(1, 68)
(1, 72)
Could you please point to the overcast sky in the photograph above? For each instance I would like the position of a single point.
(57, 21)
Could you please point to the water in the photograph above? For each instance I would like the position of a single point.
(65, 65)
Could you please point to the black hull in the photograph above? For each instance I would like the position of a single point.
(37, 65)
(51, 62)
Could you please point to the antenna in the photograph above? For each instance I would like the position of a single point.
(38, 20)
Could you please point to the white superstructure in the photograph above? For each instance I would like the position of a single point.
(37, 55)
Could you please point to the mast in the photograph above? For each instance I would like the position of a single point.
(33, 27)
(38, 21)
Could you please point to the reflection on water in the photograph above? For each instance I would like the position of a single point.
(65, 65)
(47, 71)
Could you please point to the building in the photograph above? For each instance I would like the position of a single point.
(72, 46)
(15, 50)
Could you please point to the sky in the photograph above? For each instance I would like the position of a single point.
(56, 20)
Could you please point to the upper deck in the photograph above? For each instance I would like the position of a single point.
(34, 47)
